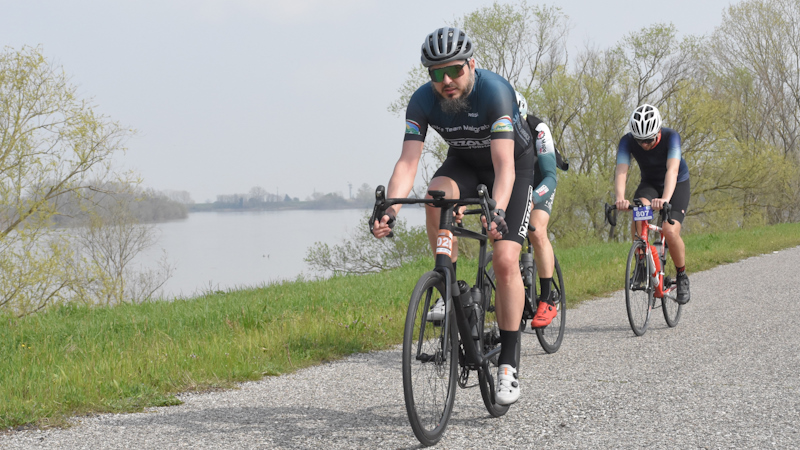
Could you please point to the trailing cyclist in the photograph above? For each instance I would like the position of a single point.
(475, 111)
(665, 179)
(545, 180)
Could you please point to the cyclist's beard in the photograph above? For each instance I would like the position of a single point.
(459, 104)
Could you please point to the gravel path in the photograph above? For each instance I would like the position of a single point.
(727, 376)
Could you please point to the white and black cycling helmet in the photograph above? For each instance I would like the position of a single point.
(522, 103)
(445, 45)
(645, 122)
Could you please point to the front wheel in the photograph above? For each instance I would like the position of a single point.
(550, 337)
(430, 361)
(669, 304)
(638, 288)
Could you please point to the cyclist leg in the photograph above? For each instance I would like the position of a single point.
(510, 290)
(543, 254)
(510, 294)
(645, 192)
(672, 234)
(456, 178)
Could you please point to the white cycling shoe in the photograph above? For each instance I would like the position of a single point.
(507, 385)
(437, 312)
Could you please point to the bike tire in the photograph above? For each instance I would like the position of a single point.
(429, 383)
(638, 295)
(491, 339)
(669, 304)
(551, 336)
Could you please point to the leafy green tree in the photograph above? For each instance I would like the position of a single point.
(361, 253)
(54, 147)
(754, 59)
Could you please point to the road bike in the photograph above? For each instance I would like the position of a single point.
(649, 271)
(440, 353)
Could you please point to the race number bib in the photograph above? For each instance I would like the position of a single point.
(444, 243)
(641, 213)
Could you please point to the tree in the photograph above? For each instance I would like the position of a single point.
(365, 195)
(524, 44)
(258, 195)
(754, 62)
(106, 249)
(183, 197)
(53, 146)
(362, 253)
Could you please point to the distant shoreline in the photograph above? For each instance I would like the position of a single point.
(274, 206)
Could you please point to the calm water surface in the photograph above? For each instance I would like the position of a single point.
(226, 250)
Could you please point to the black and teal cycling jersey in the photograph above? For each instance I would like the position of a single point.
(653, 162)
(493, 114)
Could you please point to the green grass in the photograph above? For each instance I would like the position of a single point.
(76, 360)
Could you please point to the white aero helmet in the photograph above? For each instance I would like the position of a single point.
(522, 103)
(645, 122)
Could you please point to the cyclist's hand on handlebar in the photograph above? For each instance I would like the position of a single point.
(498, 227)
(382, 228)
(459, 213)
(623, 204)
(658, 203)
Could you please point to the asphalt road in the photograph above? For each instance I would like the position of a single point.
(728, 376)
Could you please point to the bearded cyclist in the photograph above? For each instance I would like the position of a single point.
(476, 113)
(665, 179)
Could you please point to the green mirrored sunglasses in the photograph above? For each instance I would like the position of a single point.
(454, 71)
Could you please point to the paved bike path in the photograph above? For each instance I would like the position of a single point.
(727, 376)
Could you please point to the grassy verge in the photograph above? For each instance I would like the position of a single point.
(76, 360)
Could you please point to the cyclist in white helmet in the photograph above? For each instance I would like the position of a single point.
(665, 179)
(544, 182)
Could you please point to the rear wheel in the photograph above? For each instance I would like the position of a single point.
(430, 361)
(669, 304)
(638, 289)
(550, 337)
(491, 340)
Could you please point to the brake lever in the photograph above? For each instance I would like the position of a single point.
(380, 209)
(487, 204)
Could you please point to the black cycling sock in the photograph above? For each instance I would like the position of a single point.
(508, 351)
(680, 270)
(545, 284)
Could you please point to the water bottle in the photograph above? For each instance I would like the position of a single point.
(526, 259)
(477, 311)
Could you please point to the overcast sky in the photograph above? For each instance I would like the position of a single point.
(289, 95)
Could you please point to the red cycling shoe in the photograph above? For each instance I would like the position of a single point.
(545, 314)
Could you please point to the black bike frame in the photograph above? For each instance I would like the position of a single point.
(474, 356)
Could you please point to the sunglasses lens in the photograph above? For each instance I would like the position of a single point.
(437, 75)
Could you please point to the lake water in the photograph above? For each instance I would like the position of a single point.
(226, 250)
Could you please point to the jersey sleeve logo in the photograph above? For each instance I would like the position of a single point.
(502, 124)
(412, 127)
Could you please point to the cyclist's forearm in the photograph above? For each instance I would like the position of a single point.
(504, 173)
(620, 178)
(405, 171)
(670, 179)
